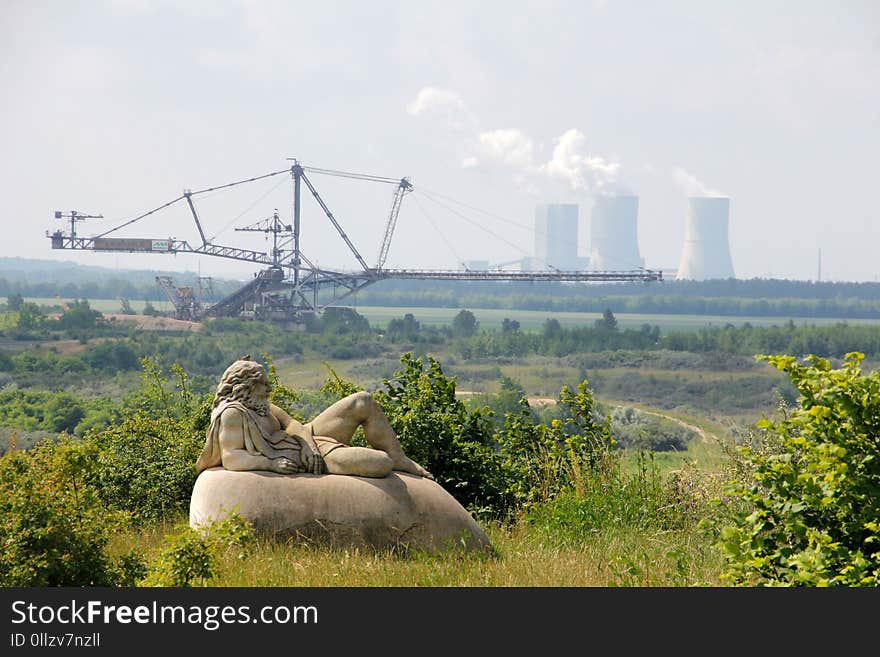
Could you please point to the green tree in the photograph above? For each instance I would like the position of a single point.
(14, 301)
(79, 315)
(511, 398)
(464, 324)
(509, 325)
(551, 329)
(543, 460)
(403, 329)
(30, 316)
(147, 460)
(808, 511)
(608, 321)
(343, 320)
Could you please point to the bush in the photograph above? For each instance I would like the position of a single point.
(146, 466)
(611, 497)
(807, 509)
(541, 461)
(55, 527)
(146, 462)
(438, 431)
(191, 556)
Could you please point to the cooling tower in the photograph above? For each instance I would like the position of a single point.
(556, 236)
(706, 252)
(614, 240)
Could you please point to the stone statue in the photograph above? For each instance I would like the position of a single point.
(248, 432)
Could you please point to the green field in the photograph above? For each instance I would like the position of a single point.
(106, 305)
(491, 318)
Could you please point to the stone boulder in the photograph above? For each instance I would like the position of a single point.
(400, 510)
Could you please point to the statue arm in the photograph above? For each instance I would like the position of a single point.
(311, 457)
(233, 453)
(293, 427)
(281, 415)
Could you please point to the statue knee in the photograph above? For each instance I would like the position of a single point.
(363, 403)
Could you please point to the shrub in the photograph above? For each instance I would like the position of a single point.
(636, 430)
(146, 466)
(54, 526)
(808, 500)
(146, 462)
(190, 556)
(438, 431)
(543, 460)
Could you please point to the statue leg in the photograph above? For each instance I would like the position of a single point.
(358, 461)
(342, 419)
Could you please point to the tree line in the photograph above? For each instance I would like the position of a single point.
(341, 333)
(658, 301)
(750, 297)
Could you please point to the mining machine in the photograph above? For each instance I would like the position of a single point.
(289, 286)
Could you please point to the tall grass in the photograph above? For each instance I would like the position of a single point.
(524, 557)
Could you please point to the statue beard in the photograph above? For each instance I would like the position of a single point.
(258, 404)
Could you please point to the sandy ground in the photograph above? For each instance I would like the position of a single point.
(68, 347)
(151, 323)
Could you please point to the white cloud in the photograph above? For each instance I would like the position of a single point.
(434, 100)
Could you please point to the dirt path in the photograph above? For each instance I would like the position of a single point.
(704, 435)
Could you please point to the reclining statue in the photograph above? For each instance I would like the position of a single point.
(248, 432)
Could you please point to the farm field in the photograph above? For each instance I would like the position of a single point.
(106, 305)
(491, 318)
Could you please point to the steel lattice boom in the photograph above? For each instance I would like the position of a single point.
(291, 286)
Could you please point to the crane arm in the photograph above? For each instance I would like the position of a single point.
(335, 223)
(188, 195)
(403, 187)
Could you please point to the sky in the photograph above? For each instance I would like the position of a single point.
(115, 107)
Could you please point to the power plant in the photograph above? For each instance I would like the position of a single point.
(706, 252)
(614, 242)
(556, 237)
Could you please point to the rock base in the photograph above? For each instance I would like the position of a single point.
(400, 510)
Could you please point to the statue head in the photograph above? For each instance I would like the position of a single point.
(244, 381)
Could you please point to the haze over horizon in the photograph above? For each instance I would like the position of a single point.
(114, 107)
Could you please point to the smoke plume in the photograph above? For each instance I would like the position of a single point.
(692, 186)
(569, 165)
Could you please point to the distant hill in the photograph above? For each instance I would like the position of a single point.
(46, 278)
(32, 269)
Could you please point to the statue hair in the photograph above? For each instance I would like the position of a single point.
(238, 381)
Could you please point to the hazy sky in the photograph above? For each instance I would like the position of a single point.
(114, 107)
